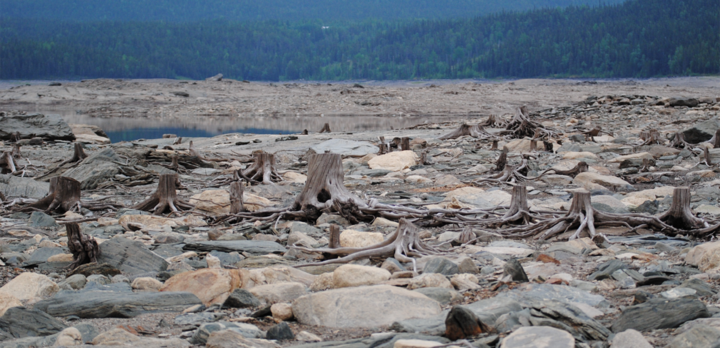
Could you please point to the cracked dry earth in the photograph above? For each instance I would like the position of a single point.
(207, 278)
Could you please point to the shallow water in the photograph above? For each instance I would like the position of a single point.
(158, 132)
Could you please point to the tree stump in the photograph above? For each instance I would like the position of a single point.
(548, 146)
(716, 139)
(502, 160)
(533, 145)
(7, 163)
(650, 137)
(494, 145)
(324, 190)
(334, 237)
(63, 196)
(680, 215)
(475, 131)
(78, 155)
(492, 121)
(519, 211)
(15, 137)
(304, 132)
(405, 144)
(678, 141)
(262, 168)
(325, 128)
(165, 198)
(84, 248)
(236, 197)
(591, 134)
(16, 151)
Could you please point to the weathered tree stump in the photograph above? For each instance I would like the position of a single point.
(678, 141)
(521, 127)
(403, 244)
(548, 146)
(650, 137)
(475, 131)
(324, 190)
(84, 248)
(63, 196)
(502, 160)
(425, 158)
(405, 144)
(494, 145)
(16, 151)
(15, 137)
(304, 132)
(519, 211)
(493, 121)
(716, 139)
(7, 163)
(680, 215)
(591, 134)
(326, 128)
(236, 197)
(533, 145)
(165, 198)
(78, 155)
(263, 169)
(334, 237)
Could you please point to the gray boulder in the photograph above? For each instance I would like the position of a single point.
(660, 314)
(19, 322)
(115, 304)
(681, 101)
(246, 330)
(441, 265)
(96, 169)
(13, 186)
(130, 257)
(48, 127)
(702, 131)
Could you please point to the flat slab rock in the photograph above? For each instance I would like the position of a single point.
(130, 257)
(13, 186)
(111, 304)
(346, 147)
(48, 127)
(19, 322)
(250, 246)
(364, 306)
(538, 337)
(660, 314)
(532, 294)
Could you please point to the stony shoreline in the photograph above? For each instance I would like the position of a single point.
(207, 278)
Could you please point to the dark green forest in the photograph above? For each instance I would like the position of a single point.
(638, 38)
(254, 10)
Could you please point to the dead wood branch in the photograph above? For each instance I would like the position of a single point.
(165, 198)
(84, 248)
(404, 245)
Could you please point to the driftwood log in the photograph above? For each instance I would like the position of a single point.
(165, 198)
(84, 248)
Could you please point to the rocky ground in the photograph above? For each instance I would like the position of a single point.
(203, 279)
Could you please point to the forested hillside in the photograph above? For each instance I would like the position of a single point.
(254, 10)
(639, 38)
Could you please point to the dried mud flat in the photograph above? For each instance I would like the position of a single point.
(476, 252)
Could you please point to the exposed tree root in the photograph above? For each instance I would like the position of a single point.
(165, 198)
(404, 245)
(262, 170)
(651, 137)
(580, 167)
(521, 126)
(84, 248)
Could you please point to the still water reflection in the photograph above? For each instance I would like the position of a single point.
(153, 133)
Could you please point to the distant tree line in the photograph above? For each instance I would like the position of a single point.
(254, 10)
(639, 38)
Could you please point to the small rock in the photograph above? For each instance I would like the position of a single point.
(210, 285)
(233, 339)
(69, 337)
(440, 265)
(515, 271)
(8, 301)
(630, 339)
(357, 239)
(279, 292)
(394, 161)
(462, 323)
(430, 280)
(73, 282)
(282, 311)
(659, 314)
(355, 275)
(241, 298)
(696, 337)
(280, 331)
(304, 336)
(146, 284)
